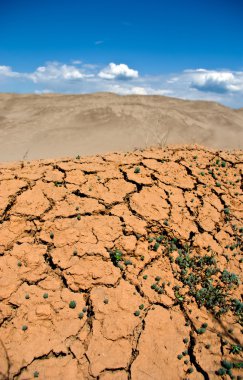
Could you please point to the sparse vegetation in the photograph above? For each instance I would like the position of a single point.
(72, 304)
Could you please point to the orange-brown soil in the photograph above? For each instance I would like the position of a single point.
(104, 261)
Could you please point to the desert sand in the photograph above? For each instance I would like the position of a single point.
(122, 265)
(55, 125)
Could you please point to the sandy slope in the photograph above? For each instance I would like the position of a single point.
(34, 126)
(82, 242)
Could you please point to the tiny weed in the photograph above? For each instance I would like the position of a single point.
(24, 327)
(137, 170)
(80, 315)
(137, 313)
(27, 296)
(156, 246)
(221, 371)
(201, 330)
(226, 364)
(72, 304)
(51, 235)
(235, 349)
(45, 295)
(36, 374)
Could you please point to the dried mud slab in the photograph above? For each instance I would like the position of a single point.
(122, 266)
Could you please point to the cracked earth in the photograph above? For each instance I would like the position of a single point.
(104, 261)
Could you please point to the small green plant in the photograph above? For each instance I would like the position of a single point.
(221, 371)
(226, 364)
(166, 223)
(116, 256)
(137, 170)
(180, 356)
(156, 246)
(36, 374)
(157, 278)
(27, 296)
(78, 216)
(201, 330)
(24, 327)
(127, 262)
(185, 340)
(235, 349)
(51, 235)
(19, 264)
(45, 295)
(72, 304)
(141, 307)
(145, 277)
(106, 301)
(223, 164)
(226, 210)
(80, 315)
(137, 313)
(85, 309)
(190, 370)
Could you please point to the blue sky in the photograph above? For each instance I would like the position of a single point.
(188, 49)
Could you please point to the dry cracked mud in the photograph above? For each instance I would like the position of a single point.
(122, 266)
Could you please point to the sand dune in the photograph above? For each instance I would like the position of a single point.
(121, 266)
(55, 125)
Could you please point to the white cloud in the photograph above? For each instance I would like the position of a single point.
(216, 81)
(99, 42)
(56, 71)
(76, 62)
(44, 91)
(6, 71)
(124, 89)
(120, 72)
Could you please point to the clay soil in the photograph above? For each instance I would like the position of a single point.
(122, 266)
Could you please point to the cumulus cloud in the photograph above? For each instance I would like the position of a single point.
(56, 71)
(6, 71)
(216, 81)
(120, 72)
